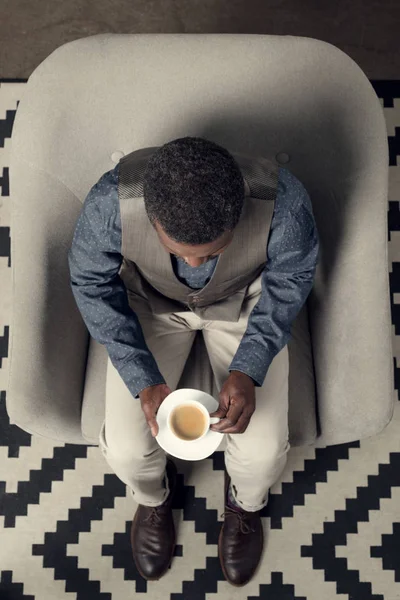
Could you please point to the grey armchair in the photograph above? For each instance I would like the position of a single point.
(300, 101)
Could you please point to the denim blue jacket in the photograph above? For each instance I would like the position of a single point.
(95, 259)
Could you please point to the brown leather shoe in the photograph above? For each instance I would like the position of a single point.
(153, 534)
(240, 543)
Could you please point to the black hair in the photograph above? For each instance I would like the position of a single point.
(194, 189)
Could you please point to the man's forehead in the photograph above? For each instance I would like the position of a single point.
(213, 246)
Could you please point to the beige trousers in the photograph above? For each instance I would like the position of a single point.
(254, 459)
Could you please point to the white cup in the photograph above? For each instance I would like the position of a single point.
(208, 420)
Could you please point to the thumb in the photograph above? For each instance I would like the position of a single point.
(152, 423)
(150, 414)
(152, 420)
(168, 391)
(153, 426)
(223, 406)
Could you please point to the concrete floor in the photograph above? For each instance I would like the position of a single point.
(367, 30)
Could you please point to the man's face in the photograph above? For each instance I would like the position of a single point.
(194, 255)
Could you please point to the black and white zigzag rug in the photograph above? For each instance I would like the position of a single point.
(332, 524)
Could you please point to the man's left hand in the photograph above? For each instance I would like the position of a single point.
(237, 403)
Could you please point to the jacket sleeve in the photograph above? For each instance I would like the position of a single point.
(287, 279)
(100, 294)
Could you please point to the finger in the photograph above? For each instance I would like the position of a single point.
(220, 412)
(150, 414)
(153, 427)
(240, 426)
(168, 391)
(223, 426)
(235, 410)
(222, 408)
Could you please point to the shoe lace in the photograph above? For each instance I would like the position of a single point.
(244, 526)
(154, 517)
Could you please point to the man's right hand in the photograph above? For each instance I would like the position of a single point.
(151, 399)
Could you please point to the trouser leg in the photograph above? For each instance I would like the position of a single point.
(125, 438)
(254, 459)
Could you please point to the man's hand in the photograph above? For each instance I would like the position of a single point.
(151, 399)
(237, 403)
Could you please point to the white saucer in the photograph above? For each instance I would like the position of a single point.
(196, 450)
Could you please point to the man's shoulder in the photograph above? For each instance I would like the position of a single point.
(291, 192)
(109, 180)
(106, 187)
(101, 203)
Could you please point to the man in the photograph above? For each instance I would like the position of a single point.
(173, 240)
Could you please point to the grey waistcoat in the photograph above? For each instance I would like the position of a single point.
(147, 268)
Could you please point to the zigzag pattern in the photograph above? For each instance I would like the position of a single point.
(66, 518)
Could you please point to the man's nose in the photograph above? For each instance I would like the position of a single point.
(195, 262)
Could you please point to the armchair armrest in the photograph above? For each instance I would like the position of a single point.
(350, 310)
(48, 338)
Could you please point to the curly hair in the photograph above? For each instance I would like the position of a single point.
(194, 189)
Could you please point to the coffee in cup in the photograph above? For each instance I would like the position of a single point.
(190, 421)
